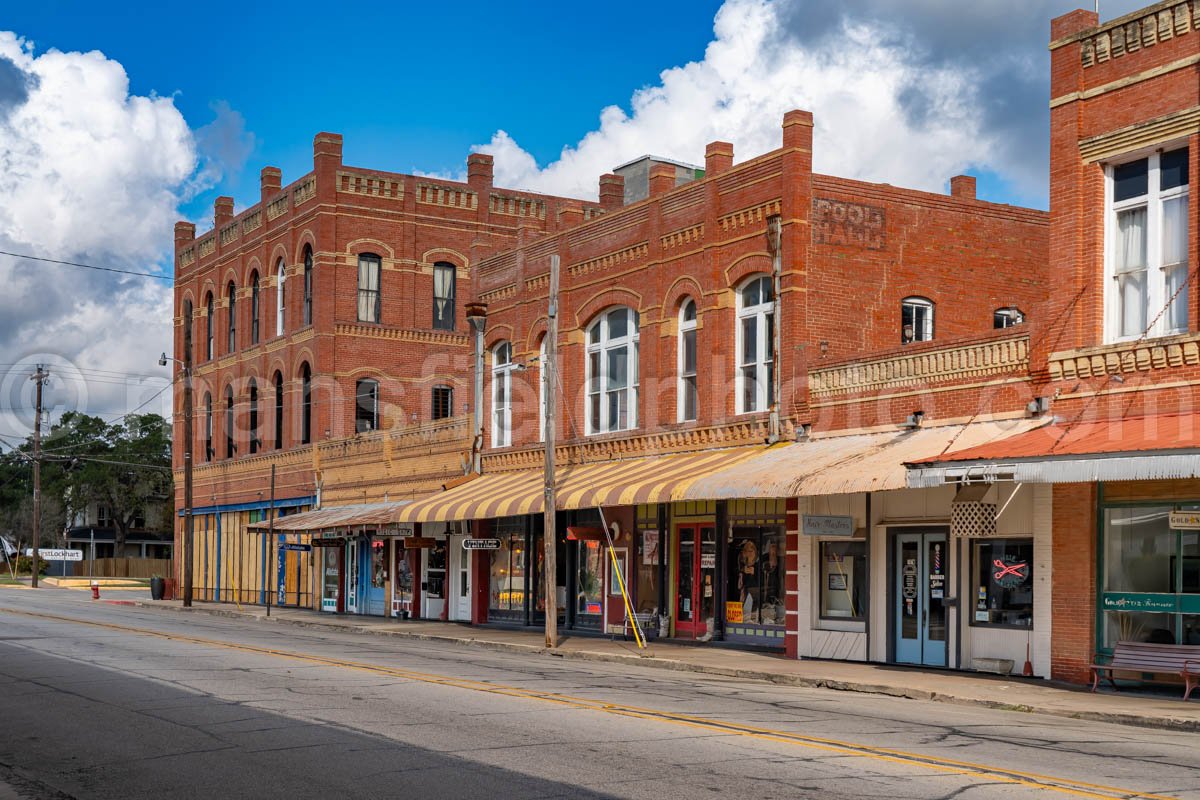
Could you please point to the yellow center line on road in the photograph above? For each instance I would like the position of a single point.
(884, 754)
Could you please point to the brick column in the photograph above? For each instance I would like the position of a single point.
(1073, 592)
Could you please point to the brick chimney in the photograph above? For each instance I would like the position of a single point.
(269, 181)
(797, 129)
(963, 186)
(612, 191)
(479, 170)
(222, 211)
(662, 179)
(718, 157)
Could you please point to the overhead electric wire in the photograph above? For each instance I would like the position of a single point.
(81, 265)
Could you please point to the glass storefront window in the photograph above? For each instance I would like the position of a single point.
(508, 575)
(591, 578)
(755, 570)
(331, 575)
(1003, 582)
(844, 580)
(435, 572)
(646, 570)
(404, 577)
(378, 563)
(1138, 550)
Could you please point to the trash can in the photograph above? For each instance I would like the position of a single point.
(157, 587)
(169, 589)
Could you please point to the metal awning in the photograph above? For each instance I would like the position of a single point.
(1156, 447)
(361, 515)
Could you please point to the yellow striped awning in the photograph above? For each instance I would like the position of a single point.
(656, 479)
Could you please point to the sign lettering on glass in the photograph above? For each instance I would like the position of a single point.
(1185, 520)
(733, 612)
(815, 525)
(1130, 601)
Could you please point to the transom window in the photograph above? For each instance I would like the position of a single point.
(612, 371)
(688, 391)
(366, 406)
(756, 345)
(280, 279)
(916, 320)
(1007, 317)
(1147, 244)
(443, 296)
(502, 367)
(369, 309)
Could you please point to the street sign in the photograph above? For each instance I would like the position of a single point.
(481, 544)
(56, 555)
(302, 548)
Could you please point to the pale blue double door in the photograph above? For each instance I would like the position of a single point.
(922, 581)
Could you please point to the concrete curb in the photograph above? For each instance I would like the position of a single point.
(808, 682)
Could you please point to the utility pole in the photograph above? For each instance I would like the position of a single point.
(188, 438)
(40, 378)
(550, 533)
(272, 568)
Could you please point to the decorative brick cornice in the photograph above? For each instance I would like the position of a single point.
(515, 206)
(1139, 30)
(277, 207)
(304, 192)
(1112, 359)
(684, 236)
(207, 246)
(447, 196)
(402, 334)
(229, 233)
(748, 216)
(252, 222)
(187, 257)
(962, 362)
(499, 293)
(369, 185)
(622, 256)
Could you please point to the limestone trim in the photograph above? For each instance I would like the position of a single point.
(402, 334)
(187, 257)
(207, 246)
(683, 236)
(1122, 357)
(749, 216)
(304, 192)
(448, 196)
(958, 363)
(1144, 134)
(229, 233)
(1136, 31)
(277, 207)
(252, 222)
(369, 185)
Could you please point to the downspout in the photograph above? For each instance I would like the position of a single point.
(477, 317)
(775, 247)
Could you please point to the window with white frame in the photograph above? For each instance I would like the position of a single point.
(1147, 244)
(280, 279)
(1007, 317)
(755, 345)
(687, 391)
(916, 320)
(369, 298)
(612, 371)
(502, 367)
(542, 390)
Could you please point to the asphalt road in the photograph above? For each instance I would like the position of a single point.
(103, 701)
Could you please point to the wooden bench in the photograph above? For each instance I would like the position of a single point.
(1161, 659)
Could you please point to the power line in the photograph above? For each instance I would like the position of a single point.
(89, 266)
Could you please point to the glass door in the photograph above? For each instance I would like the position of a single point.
(376, 577)
(352, 577)
(695, 580)
(922, 580)
(462, 580)
(434, 585)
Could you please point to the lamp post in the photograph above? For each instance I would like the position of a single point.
(186, 372)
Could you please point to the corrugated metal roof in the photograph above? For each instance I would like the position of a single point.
(351, 516)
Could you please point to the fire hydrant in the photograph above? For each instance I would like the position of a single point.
(95, 590)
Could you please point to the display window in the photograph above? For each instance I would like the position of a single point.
(403, 591)
(508, 577)
(588, 601)
(844, 580)
(1150, 589)
(331, 578)
(647, 566)
(754, 592)
(1002, 587)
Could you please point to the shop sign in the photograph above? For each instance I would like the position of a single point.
(402, 529)
(708, 561)
(481, 544)
(1185, 520)
(1133, 601)
(1010, 573)
(328, 542)
(815, 525)
(419, 542)
(733, 612)
(300, 548)
(329, 604)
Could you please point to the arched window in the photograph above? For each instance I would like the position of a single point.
(305, 404)
(542, 390)
(443, 296)
(278, 410)
(1007, 317)
(916, 320)
(208, 328)
(308, 284)
(442, 406)
(253, 416)
(230, 447)
(187, 330)
(612, 371)
(688, 391)
(231, 331)
(502, 367)
(280, 279)
(755, 345)
(366, 406)
(208, 427)
(369, 297)
(254, 308)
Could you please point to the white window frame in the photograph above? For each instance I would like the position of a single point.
(280, 280)
(687, 326)
(763, 316)
(927, 332)
(1156, 271)
(370, 301)
(600, 343)
(502, 369)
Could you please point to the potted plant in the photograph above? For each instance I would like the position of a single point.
(158, 587)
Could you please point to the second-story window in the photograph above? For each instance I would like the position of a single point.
(502, 395)
(230, 447)
(612, 371)
(308, 284)
(755, 345)
(255, 308)
(208, 427)
(688, 391)
(369, 304)
(305, 404)
(187, 329)
(278, 410)
(253, 416)
(208, 328)
(231, 293)
(443, 296)
(280, 306)
(1007, 317)
(366, 406)
(916, 320)
(442, 406)
(542, 390)
(1147, 246)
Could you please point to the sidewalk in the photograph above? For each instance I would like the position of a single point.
(1154, 710)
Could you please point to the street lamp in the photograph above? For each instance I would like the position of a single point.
(186, 371)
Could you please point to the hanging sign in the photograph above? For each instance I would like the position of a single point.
(328, 542)
(56, 555)
(481, 544)
(300, 548)
(827, 526)
(1185, 520)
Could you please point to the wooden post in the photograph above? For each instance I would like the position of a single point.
(550, 532)
(189, 544)
(40, 377)
(271, 567)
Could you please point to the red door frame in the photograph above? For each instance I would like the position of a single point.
(695, 627)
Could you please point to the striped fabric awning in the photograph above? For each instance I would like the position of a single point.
(658, 479)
